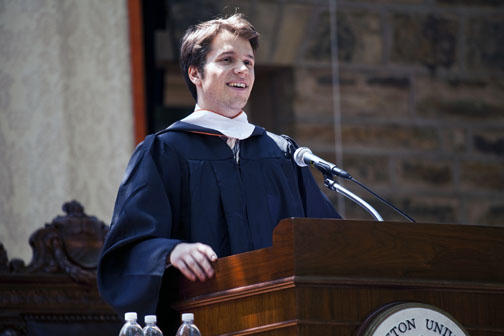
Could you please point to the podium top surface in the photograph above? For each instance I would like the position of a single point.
(346, 250)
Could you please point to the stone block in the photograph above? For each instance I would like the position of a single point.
(455, 140)
(394, 2)
(291, 33)
(472, 3)
(359, 36)
(265, 18)
(391, 137)
(477, 175)
(427, 209)
(493, 214)
(486, 212)
(361, 95)
(485, 50)
(378, 95)
(425, 173)
(183, 14)
(372, 170)
(462, 107)
(421, 208)
(461, 100)
(426, 40)
(314, 134)
(431, 209)
(489, 141)
(229, 7)
(312, 100)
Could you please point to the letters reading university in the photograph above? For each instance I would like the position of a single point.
(414, 319)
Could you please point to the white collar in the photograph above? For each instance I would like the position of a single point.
(237, 127)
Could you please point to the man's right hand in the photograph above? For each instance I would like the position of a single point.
(194, 260)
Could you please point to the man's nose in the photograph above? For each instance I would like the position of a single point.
(241, 68)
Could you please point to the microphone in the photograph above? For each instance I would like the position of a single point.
(303, 156)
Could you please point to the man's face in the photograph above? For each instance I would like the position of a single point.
(228, 75)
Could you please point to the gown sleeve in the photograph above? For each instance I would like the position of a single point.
(141, 236)
(315, 202)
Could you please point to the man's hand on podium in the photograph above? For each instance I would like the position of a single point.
(194, 260)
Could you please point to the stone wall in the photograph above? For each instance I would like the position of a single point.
(420, 95)
(65, 111)
(421, 104)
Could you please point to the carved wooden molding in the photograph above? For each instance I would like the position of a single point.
(4, 261)
(70, 244)
(12, 329)
(50, 296)
(72, 317)
(58, 287)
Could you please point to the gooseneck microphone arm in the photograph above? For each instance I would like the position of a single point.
(345, 192)
(303, 157)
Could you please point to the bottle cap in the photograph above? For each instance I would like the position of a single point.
(188, 317)
(131, 316)
(150, 319)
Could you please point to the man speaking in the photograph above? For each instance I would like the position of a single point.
(208, 186)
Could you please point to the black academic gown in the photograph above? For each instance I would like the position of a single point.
(183, 184)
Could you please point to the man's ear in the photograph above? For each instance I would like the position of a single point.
(194, 75)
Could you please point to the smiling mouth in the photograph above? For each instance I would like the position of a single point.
(237, 85)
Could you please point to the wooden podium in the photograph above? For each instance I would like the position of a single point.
(328, 277)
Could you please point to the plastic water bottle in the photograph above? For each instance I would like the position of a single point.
(188, 328)
(151, 329)
(131, 327)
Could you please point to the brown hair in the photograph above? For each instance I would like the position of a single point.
(197, 39)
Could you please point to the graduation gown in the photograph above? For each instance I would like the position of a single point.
(184, 185)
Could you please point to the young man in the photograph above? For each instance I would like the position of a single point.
(210, 185)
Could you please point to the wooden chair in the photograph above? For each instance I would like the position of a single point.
(56, 294)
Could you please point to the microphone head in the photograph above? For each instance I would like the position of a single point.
(299, 156)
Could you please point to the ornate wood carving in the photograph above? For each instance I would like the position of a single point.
(3, 259)
(13, 330)
(58, 287)
(70, 244)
